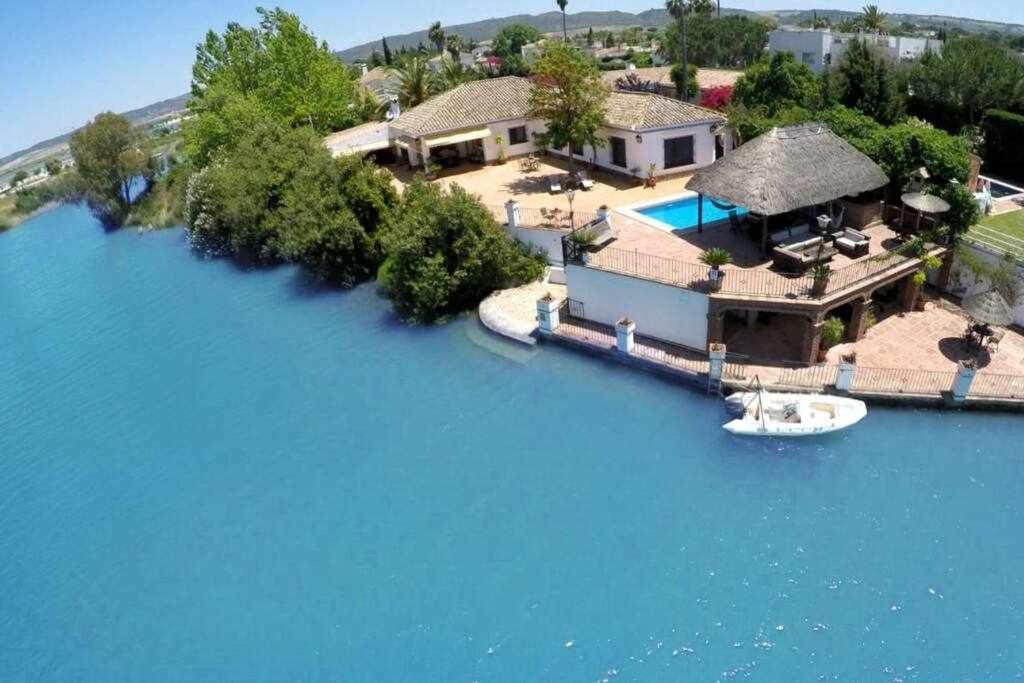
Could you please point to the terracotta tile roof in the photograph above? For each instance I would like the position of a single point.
(380, 81)
(470, 104)
(480, 102)
(644, 111)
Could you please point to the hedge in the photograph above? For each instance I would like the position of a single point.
(1004, 143)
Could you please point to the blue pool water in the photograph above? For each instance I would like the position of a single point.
(681, 214)
(214, 475)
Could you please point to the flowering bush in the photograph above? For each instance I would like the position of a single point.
(717, 97)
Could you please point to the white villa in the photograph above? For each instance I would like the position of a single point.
(483, 120)
(821, 48)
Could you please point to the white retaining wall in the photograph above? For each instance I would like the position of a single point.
(548, 241)
(661, 311)
(964, 283)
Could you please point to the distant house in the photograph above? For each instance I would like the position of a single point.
(436, 64)
(482, 120)
(382, 82)
(819, 49)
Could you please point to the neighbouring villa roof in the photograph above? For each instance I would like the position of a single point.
(369, 137)
(787, 169)
(499, 99)
(380, 81)
(662, 75)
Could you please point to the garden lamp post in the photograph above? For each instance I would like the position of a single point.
(571, 194)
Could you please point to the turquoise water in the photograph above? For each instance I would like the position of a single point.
(212, 475)
(682, 213)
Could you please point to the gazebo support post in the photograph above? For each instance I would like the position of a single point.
(700, 212)
(764, 235)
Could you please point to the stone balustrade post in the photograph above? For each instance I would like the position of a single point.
(844, 376)
(512, 213)
(716, 362)
(624, 330)
(965, 373)
(547, 315)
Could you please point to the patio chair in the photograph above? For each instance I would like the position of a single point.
(852, 243)
(555, 184)
(585, 182)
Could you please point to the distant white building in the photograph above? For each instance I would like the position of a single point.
(436, 64)
(819, 49)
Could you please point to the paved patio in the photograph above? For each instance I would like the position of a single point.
(496, 184)
(930, 340)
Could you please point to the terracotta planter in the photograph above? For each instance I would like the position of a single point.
(819, 286)
(715, 279)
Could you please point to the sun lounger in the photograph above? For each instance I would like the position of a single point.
(555, 185)
(585, 182)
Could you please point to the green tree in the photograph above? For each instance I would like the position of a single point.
(276, 72)
(453, 44)
(733, 41)
(865, 81)
(874, 20)
(435, 34)
(446, 253)
(111, 160)
(453, 73)
(54, 167)
(680, 11)
(510, 40)
(777, 82)
(953, 89)
(562, 4)
(414, 83)
(386, 50)
(569, 96)
(279, 195)
(691, 85)
(19, 177)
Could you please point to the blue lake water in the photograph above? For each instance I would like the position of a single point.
(212, 475)
(681, 214)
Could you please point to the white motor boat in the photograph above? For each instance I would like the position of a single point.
(764, 413)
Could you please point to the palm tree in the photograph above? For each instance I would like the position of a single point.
(872, 19)
(452, 74)
(435, 34)
(561, 6)
(678, 9)
(414, 85)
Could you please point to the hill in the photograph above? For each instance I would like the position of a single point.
(57, 145)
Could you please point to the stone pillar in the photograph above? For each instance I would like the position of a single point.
(844, 376)
(624, 330)
(716, 328)
(909, 293)
(547, 314)
(855, 330)
(512, 213)
(965, 373)
(716, 362)
(811, 343)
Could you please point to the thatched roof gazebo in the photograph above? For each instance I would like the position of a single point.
(787, 169)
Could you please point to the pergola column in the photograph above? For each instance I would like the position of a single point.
(716, 327)
(855, 330)
(946, 271)
(909, 292)
(811, 342)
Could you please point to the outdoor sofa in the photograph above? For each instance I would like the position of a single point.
(790, 235)
(799, 256)
(852, 243)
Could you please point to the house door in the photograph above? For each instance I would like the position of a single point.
(618, 146)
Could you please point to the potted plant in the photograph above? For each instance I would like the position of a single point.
(652, 178)
(715, 258)
(433, 169)
(820, 273)
(833, 331)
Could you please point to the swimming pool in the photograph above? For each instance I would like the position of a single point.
(681, 214)
(1002, 190)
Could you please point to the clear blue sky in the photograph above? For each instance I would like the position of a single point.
(61, 62)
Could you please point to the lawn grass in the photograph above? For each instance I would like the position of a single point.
(1011, 224)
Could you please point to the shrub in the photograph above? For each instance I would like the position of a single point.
(832, 332)
(445, 253)
(1004, 142)
(716, 98)
(716, 257)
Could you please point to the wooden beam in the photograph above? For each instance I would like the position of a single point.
(764, 235)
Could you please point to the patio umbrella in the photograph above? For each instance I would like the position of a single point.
(923, 203)
(989, 308)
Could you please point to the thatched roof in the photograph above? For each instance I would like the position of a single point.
(787, 169)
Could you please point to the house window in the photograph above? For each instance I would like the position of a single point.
(576, 149)
(808, 58)
(679, 152)
(618, 146)
(517, 135)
